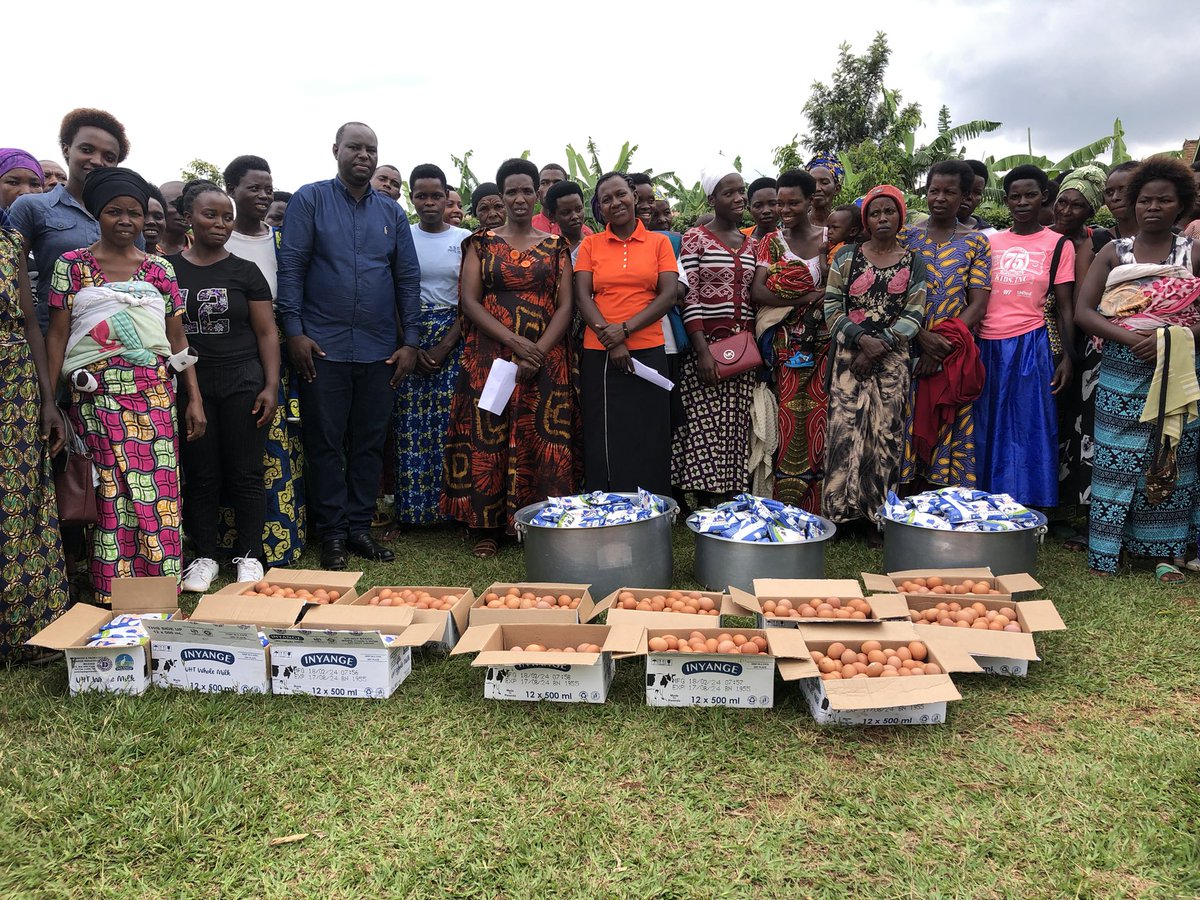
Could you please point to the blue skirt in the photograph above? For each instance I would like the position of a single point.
(419, 421)
(1016, 420)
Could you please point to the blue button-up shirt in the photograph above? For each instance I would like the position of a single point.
(52, 224)
(348, 273)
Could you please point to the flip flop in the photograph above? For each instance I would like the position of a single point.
(1164, 572)
(1076, 543)
(485, 548)
(1192, 565)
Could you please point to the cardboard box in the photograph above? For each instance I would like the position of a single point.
(481, 615)
(454, 620)
(723, 679)
(1009, 586)
(218, 648)
(883, 606)
(339, 651)
(307, 579)
(558, 677)
(913, 700)
(124, 670)
(645, 619)
(997, 652)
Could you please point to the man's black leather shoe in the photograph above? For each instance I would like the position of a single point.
(366, 546)
(333, 555)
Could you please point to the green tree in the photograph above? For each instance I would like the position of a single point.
(856, 106)
(202, 168)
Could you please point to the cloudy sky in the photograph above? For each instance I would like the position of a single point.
(683, 81)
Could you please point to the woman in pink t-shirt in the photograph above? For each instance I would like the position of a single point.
(1016, 415)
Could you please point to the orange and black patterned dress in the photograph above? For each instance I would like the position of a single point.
(496, 464)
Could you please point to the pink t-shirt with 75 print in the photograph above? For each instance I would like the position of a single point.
(1021, 280)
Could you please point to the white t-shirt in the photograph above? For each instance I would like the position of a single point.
(440, 256)
(259, 250)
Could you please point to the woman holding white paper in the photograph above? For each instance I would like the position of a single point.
(515, 298)
(625, 280)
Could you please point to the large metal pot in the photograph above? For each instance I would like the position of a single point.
(607, 556)
(721, 562)
(1004, 552)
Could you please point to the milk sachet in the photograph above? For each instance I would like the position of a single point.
(597, 509)
(757, 520)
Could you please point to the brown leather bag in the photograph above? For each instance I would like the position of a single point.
(75, 482)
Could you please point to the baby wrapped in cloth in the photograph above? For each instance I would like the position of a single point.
(123, 318)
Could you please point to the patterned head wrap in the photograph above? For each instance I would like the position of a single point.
(711, 175)
(105, 185)
(830, 161)
(12, 158)
(884, 190)
(1089, 181)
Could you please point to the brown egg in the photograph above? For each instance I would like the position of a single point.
(831, 676)
(849, 657)
(933, 669)
(534, 648)
(759, 641)
(658, 645)
(934, 581)
(836, 649)
(918, 650)
(875, 669)
(727, 647)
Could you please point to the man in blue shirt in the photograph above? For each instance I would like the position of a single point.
(349, 301)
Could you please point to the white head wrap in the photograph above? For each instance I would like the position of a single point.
(711, 175)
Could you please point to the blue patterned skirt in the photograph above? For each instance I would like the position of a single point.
(1016, 420)
(1120, 516)
(419, 421)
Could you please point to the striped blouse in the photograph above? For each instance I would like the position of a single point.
(718, 302)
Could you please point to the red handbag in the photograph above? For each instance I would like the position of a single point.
(735, 354)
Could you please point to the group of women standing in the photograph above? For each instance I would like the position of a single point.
(846, 351)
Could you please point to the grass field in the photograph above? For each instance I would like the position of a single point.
(1080, 780)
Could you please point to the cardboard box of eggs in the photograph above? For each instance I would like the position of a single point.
(533, 602)
(449, 606)
(788, 602)
(316, 587)
(977, 612)
(882, 674)
(732, 667)
(666, 608)
(556, 662)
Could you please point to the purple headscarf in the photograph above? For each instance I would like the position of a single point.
(12, 158)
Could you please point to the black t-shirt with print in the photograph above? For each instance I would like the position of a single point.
(217, 298)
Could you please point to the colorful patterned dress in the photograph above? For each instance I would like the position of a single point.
(866, 415)
(1120, 518)
(128, 426)
(33, 579)
(283, 472)
(952, 269)
(710, 451)
(496, 464)
(801, 369)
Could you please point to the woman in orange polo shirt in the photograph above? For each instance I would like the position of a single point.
(625, 279)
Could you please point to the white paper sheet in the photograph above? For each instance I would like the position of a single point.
(641, 370)
(501, 380)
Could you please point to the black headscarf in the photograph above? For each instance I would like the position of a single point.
(103, 185)
(487, 189)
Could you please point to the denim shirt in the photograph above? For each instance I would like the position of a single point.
(52, 224)
(348, 273)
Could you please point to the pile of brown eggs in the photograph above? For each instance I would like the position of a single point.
(415, 599)
(515, 598)
(696, 642)
(873, 660)
(265, 589)
(538, 648)
(816, 608)
(974, 616)
(937, 585)
(675, 601)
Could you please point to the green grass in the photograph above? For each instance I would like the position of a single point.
(1079, 780)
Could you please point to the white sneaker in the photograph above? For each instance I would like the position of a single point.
(248, 569)
(198, 577)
